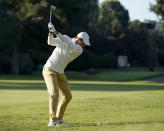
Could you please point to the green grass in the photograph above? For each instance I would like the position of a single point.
(119, 104)
(104, 76)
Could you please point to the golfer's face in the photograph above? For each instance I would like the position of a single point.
(80, 42)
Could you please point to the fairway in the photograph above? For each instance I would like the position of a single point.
(116, 104)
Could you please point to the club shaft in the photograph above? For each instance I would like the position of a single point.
(52, 7)
(50, 13)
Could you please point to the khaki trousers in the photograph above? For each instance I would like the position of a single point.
(55, 82)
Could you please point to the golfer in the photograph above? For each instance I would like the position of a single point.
(67, 49)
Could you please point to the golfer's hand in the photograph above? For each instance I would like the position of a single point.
(50, 34)
(51, 27)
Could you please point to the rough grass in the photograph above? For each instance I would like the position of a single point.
(118, 106)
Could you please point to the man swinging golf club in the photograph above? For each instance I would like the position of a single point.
(67, 49)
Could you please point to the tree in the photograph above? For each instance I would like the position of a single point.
(114, 18)
(75, 15)
(137, 44)
(24, 27)
(158, 8)
(111, 27)
(15, 14)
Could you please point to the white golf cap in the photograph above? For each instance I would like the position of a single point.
(85, 37)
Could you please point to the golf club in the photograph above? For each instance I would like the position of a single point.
(52, 7)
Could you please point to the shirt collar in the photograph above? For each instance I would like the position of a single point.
(73, 39)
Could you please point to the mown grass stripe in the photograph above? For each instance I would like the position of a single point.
(89, 82)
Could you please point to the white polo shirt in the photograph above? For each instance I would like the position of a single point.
(66, 51)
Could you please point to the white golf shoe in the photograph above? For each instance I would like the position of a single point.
(56, 123)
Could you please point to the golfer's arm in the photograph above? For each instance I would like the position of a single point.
(52, 41)
(56, 33)
(65, 40)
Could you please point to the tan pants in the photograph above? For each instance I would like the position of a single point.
(55, 82)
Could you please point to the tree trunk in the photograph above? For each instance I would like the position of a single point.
(15, 63)
(15, 54)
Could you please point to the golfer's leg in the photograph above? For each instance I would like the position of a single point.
(53, 90)
(66, 95)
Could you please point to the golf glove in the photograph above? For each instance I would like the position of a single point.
(51, 27)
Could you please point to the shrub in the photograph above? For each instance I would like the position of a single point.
(26, 64)
(108, 61)
(161, 57)
(90, 60)
(5, 64)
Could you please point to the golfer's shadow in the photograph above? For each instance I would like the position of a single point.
(112, 123)
(82, 124)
